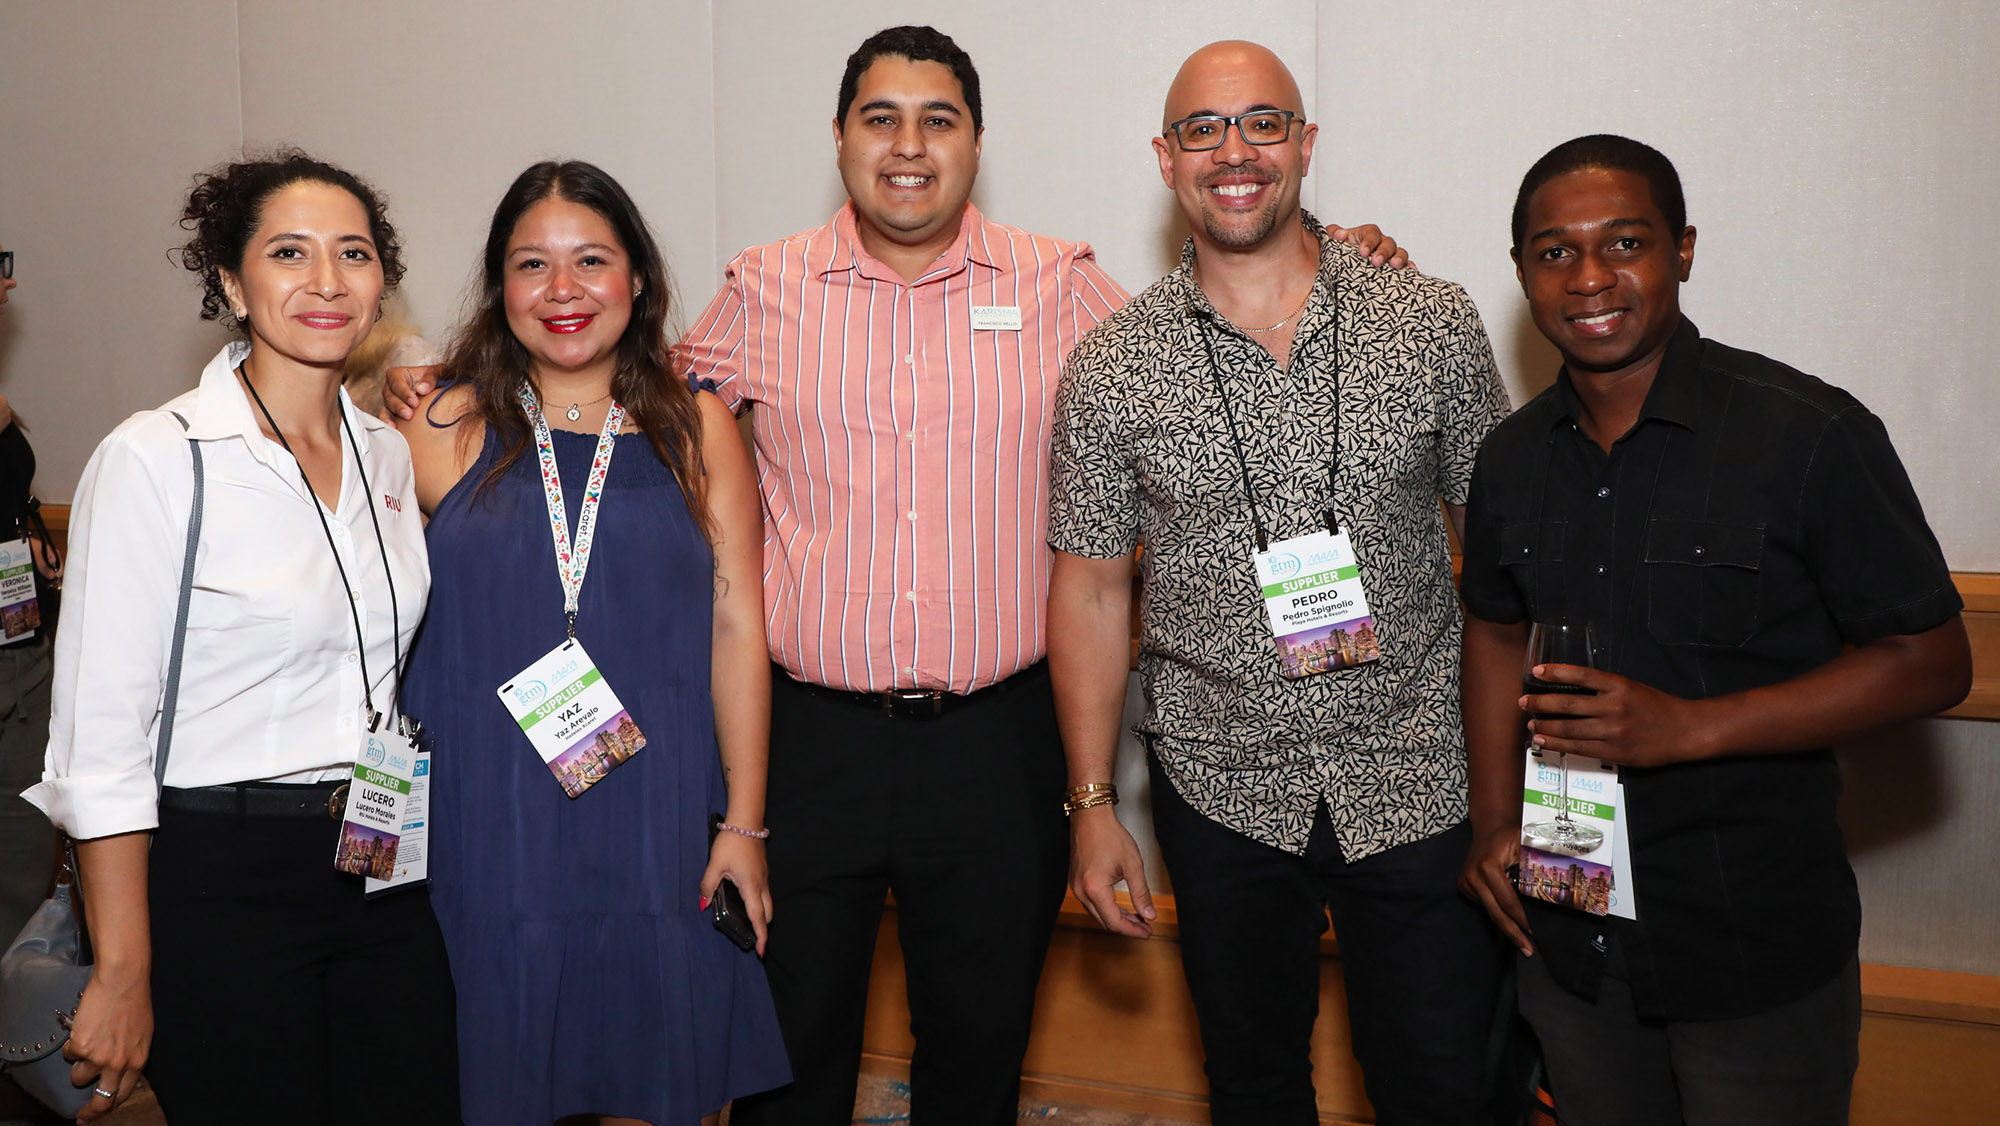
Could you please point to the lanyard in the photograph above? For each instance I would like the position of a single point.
(572, 562)
(1236, 439)
(347, 586)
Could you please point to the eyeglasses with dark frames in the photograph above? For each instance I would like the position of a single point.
(1206, 131)
(6, 263)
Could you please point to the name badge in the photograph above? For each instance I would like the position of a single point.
(375, 830)
(412, 861)
(572, 717)
(1597, 879)
(1003, 318)
(1317, 608)
(20, 611)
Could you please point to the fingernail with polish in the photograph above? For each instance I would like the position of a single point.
(704, 903)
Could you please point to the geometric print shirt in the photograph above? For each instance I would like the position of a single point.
(1390, 389)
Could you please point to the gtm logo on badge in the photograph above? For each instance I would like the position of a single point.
(530, 693)
(1284, 566)
(376, 750)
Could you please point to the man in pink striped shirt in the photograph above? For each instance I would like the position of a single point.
(902, 363)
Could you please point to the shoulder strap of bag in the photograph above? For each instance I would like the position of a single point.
(167, 701)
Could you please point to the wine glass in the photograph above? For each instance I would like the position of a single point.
(1559, 643)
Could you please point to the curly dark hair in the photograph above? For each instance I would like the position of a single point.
(227, 203)
(485, 354)
(919, 45)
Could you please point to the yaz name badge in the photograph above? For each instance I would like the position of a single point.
(572, 717)
(1319, 612)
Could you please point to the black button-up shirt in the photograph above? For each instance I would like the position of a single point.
(1752, 523)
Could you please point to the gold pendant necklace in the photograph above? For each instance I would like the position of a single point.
(575, 410)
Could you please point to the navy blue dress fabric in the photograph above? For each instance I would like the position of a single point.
(588, 978)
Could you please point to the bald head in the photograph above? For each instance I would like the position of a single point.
(1231, 73)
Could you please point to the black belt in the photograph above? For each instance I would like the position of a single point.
(919, 703)
(262, 799)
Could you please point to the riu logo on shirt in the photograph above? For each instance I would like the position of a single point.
(391, 503)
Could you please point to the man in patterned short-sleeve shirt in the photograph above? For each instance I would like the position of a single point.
(1271, 378)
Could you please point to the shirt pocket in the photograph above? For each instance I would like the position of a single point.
(1532, 552)
(1702, 579)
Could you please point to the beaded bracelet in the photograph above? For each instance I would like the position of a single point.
(753, 834)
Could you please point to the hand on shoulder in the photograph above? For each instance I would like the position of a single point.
(445, 433)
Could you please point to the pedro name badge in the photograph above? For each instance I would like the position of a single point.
(1319, 613)
(572, 717)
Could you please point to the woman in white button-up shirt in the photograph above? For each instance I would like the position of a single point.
(265, 987)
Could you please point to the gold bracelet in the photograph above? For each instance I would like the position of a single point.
(1091, 802)
(1093, 788)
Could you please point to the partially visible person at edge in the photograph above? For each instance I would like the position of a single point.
(907, 575)
(592, 981)
(26, 844)
(1270, 399)
(396, 342)
(1761, 585)
(232, 962)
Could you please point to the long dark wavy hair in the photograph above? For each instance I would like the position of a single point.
(485, 355)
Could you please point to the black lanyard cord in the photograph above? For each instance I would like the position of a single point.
(347, 586)
(1236, 438)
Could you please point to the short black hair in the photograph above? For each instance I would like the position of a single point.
(226, 204)
(919, 45)
(1605, 150)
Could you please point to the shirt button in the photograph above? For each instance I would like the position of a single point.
(1524, 551)
(911, 595)
(352, 657)
(1603, 491)
(913, 514)
(909, 358)
(1600, 568)
(355, 594)
(1697, 549)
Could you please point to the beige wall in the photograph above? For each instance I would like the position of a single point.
(1840, 163)
(104, 110)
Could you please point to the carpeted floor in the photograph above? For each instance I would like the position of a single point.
(880, 1101)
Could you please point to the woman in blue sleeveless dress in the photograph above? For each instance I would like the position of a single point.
(590, 978)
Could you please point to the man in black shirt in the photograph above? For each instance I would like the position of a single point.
(1760, 584)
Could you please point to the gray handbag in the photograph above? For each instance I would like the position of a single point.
(43, 972)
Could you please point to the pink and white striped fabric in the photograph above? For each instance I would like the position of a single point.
(902, 444)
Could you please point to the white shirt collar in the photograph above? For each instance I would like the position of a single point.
(220, 409)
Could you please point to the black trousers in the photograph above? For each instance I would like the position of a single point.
(1610, 1067)
(280, 994)
(1420, 964)
(961, 817)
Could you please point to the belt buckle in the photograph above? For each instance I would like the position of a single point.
(336, 802)
(912, 702)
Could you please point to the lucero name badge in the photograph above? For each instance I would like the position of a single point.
(1318, 610)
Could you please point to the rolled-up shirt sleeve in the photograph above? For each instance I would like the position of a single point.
(121, 589)
(1473, 400)
(1095, 507)
(711, 355)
